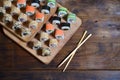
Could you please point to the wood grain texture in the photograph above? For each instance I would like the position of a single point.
(101, 52)
(41, 75)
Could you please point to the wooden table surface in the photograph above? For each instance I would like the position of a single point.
(97, 59)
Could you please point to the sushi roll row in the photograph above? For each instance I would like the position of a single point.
(71, 18)
(36, 3)
(25, 31)
(50, 3)
(18, 25)
(63, 25)
(7, 18)
(53, 42)
(30, 10)
(59, 34)
(39, 17)
(14, 10)
(38, 45)
(62, 12)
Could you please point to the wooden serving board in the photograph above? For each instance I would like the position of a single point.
(34, 31)
(24, 42)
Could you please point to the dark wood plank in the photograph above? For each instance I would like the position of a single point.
(43, 75)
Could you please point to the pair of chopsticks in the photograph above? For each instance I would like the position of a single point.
(71, 55)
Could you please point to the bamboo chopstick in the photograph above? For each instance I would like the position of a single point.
(82, 37)
(76, 50)
(73, 53)
(84, 34)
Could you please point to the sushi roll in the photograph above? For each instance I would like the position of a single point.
(45, 9)
(7, 18)
(17, 25)
(26, 32)
(37, 45)
(59, 34)
(56, 20)
(49, 28)
(71, 18)
(51, 3)
(30, 10)
(33, 24)
(22, 17)
(65, 26)
(7, 4)
(39, 17)
(44, 36)
(62, 12)
(2, 10)
(21, 3)
(35, 3)
(46, 52)
(53, 43)
(15, 10)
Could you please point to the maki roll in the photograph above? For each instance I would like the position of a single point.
(39, 17)
(71, 18)
(17, 25)
(44, 36)
(30, 10)
(7, 18)
(46, 52)
(35, 3)
(7, 4)
(65, 26)
(22, 17)
(33, 24)
(21, 3)
(51, 3)
(26, 32)
(59, 34)
(49, 28)
(62, 12)
(15, 10)
(56, 20)
(37, 45)
(53, 43)
(2, 10)
(45, 9)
